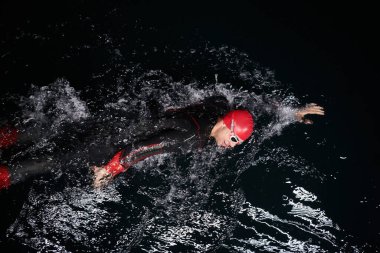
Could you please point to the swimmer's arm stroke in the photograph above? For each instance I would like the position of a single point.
(309, 109)
(121, 162)
(164, 142)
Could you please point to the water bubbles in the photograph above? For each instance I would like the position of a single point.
(167, 201)
(364, 200)
(304, 195)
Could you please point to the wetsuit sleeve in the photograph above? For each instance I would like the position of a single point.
(217, 102)
(216, 106)
(165, 142)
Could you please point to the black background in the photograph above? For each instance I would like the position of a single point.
(329, 49)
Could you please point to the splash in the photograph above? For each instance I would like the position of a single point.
(167, 203)
(55, 105)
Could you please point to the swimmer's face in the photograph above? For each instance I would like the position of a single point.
(223, 137)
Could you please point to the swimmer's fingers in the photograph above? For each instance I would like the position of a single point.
(101, 177)
(313, 109)
(96, 183)
(103, 181)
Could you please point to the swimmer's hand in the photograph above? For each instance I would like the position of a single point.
(309, 109)
(101, 177)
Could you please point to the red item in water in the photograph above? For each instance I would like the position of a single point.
(114, 166)
(8, 136)
(5, 179)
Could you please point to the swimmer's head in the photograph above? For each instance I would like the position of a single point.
(234, 128)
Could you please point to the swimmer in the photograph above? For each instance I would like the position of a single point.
(183, 130)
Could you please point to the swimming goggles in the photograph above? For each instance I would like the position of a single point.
(233, 138)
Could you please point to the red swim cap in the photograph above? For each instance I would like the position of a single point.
(243, 123)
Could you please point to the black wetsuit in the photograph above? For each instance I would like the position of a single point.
(182, 130)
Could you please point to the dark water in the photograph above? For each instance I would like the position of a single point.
(296, 189)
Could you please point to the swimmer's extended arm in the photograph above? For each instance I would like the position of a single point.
(123, 160)
(308, 109)
(166, 141)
